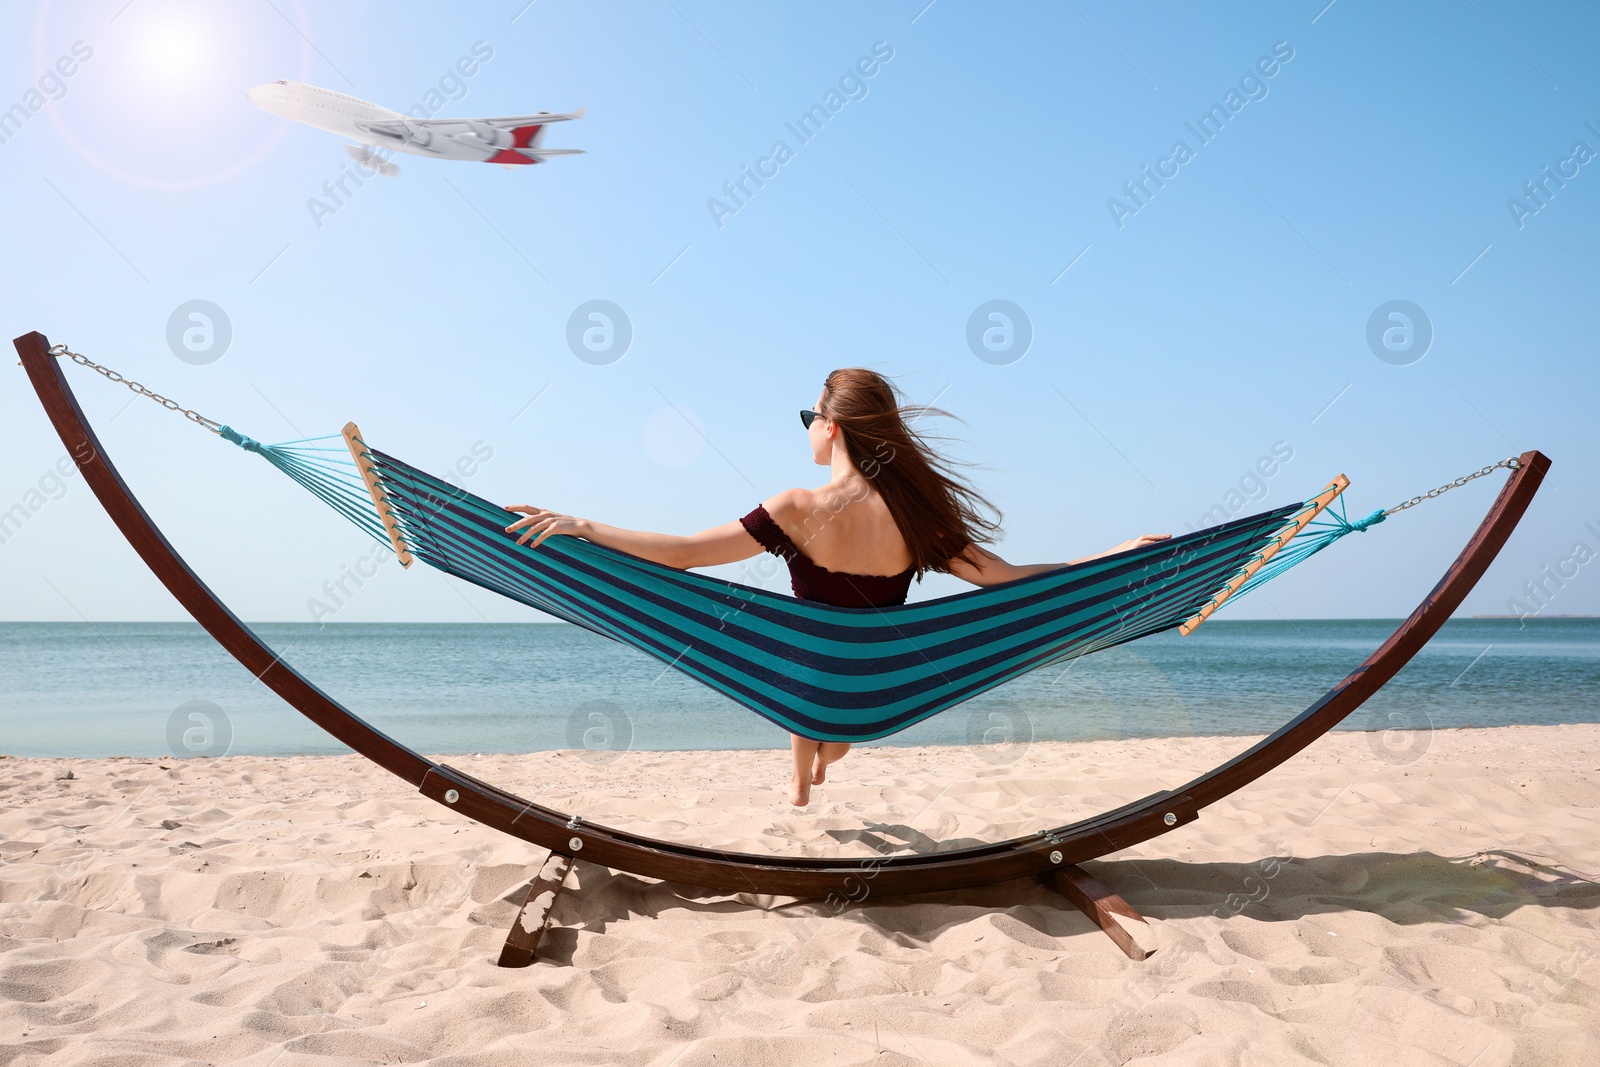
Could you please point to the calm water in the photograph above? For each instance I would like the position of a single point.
(148, 689)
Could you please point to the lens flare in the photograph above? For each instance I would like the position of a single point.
(170, 53)
(161, 103)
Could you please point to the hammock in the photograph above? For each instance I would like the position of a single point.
(824, 672)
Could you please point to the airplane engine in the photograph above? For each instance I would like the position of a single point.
(366, 157)
(491, 136)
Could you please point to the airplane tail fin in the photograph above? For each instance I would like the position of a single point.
(527, 136)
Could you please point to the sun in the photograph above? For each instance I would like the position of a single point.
(171, 53)
(162, 103)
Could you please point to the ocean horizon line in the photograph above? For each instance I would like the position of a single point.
(86, 689)
(563, 622)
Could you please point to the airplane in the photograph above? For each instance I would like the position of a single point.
(510, 141)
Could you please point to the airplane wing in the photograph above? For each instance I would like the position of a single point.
(508, 139)
(540, 119)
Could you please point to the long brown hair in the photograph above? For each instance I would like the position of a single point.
(940, 516)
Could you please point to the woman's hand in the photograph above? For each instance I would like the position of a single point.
(542, 523)
(1139, 542)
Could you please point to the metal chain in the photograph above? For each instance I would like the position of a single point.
(216, 427)
(170, 405)
(1510, 464)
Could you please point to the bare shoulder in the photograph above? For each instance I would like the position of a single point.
(791, 505)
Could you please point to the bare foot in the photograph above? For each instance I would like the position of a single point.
(819, 773)
(799, 792)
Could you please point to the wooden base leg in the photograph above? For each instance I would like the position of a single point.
(1104, 908)
(522, 942)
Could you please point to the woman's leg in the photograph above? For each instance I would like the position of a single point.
(827, 752)
(804, 750)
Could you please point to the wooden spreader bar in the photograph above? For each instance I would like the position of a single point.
(1302, 518)
(380, 497)
(1051, 854)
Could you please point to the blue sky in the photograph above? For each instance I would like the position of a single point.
(1175, 342)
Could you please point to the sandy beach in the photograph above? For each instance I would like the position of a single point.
(1432, 902)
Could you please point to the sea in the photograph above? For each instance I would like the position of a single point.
(166, 689)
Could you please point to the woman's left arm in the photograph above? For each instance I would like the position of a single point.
(727, 543)
(985, 568)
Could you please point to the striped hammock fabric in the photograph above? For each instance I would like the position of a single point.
(827, 673)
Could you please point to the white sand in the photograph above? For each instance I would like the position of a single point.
(1344, 910)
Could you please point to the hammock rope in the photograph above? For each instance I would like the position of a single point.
(1319, 533)
(322, 466)
(1332, 525)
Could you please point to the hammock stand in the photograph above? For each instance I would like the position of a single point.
(1051, 855)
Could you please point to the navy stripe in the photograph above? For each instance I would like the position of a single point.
(890, 627)
(837, 668)
(496, 531)
(787, 609)
(802, 687)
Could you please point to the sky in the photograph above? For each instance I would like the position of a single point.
(1295, 237)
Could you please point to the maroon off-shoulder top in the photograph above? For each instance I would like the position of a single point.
(811, 582)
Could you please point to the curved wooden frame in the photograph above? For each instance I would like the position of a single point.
(1047, 853)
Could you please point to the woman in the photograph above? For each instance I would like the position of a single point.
(892, 510)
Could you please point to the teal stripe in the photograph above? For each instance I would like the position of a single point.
(925, 611)
(898, 645)
(1022, 646)
(673, 584)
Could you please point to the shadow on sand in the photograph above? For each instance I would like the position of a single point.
(1404, 888)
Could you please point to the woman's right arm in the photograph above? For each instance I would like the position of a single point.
(727, 543)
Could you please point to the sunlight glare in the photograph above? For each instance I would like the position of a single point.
(177, 117)
(171, 53)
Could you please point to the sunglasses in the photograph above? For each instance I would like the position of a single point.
(808, 417)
